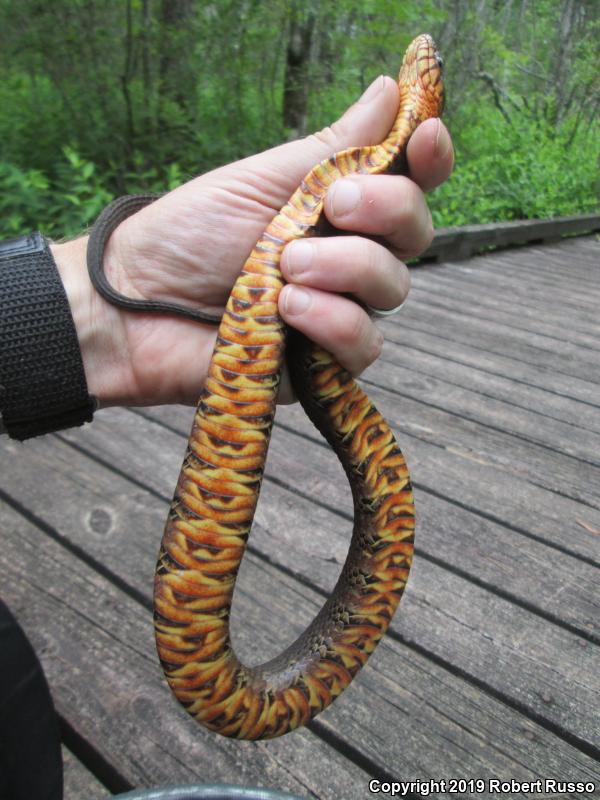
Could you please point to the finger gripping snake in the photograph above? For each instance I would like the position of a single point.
(216, 495)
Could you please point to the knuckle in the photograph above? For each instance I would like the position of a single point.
(375, 348)
(325, 136)
(319, 137)
(414, 204)
(398, 286)
(329, 137)
(366, 261)
(405, 281)
(356, 329)
(381, 270)
(417, 220)
(428, 234)
(370, 351)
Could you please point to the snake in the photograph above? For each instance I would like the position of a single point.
(216, 495)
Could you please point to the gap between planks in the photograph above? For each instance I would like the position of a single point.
(278, 512)
(40, 546)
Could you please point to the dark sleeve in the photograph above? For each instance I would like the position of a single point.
(42, 380)
(30, 754)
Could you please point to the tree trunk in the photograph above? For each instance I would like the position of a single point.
(296, 79)
(176, 78)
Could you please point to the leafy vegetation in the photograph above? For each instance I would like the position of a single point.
(100, 99)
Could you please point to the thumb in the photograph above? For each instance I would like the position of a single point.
(367, 121)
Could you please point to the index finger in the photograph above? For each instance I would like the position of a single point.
(430, 154)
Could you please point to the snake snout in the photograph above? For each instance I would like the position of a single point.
(421, 76)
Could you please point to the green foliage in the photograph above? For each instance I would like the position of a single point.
(68, 200)
(100, 99)
(60, 205)
(22, 200)
(526, 169)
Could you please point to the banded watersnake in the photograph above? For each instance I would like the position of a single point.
(212, 511)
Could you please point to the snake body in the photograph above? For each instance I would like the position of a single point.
(216, 495)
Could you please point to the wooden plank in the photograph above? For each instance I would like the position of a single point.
(97, 649)
(547, 265)
(568, 310)
(79, 783)
(539, 463)
(490, 552)
(557, 423)
(501, 616)
(566, 292)
(496, 337)
(283, 522)
(453, 243)
(572, 258)
(407, 337)
(550, 417)
(457, 537)
(549, 325)
(316, 476)
(87, 627)
(487, 444)
(567, 265)
(586, 260)
(464, 477)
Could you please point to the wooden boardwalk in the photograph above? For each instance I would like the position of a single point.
(491, 378)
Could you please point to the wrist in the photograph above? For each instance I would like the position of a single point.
(98, 325)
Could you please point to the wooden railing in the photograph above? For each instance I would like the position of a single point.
(452, 244)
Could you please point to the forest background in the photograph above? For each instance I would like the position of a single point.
(106, 97)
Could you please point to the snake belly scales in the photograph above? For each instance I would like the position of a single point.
(216, 495)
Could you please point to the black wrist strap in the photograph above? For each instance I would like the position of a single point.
(42, 381)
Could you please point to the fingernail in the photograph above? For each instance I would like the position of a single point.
(443, 143)
(372, 90)
(296, 300)
(299, 257)
(345, 197)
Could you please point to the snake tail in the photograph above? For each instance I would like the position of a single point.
(216, 495)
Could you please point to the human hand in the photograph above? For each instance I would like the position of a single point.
(189, 246)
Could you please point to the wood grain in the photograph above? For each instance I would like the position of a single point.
(492, 666)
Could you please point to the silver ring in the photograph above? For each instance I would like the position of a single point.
(380, 313)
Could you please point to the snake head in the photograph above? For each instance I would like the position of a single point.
(421, 78)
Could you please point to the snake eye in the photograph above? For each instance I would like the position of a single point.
(439, 59)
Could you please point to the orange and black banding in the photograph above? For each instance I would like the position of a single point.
(218, 487)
